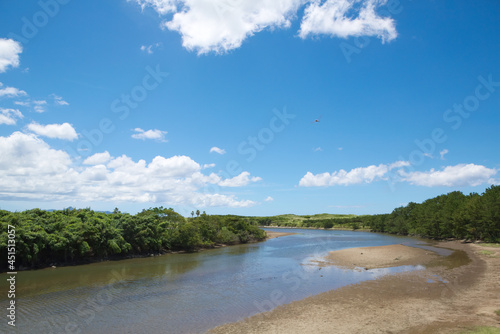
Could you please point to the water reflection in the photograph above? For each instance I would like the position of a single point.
(188, 293)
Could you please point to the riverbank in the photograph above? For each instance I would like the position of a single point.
(447, 297)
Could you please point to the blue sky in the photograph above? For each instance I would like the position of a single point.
(211, 105)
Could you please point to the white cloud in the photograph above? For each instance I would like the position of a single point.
(9, 54)
(269, 199)
(239, 181)
(63, 131)
(31, 170)
(222, 25)
(335, 18)
(11, 91)
(217, 150)
(58, 100)
(149, 48)
(38, 106)
(10, 116)
(443, 153)
(97, 159)
(22, 103)
(318, 149)
(155, 134)
(355, 176)
(452, 176)
(206, 166)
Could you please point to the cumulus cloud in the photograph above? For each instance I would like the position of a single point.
(154, 134)
(10, 91)
(10, 116)
(217, 150)
(269, 199)
(354, 176)
(31, 170)
(97, 159)
(63, 131)
(339, 18)
(451, 176)
(222, 25)
(9, 54)
(239, 181)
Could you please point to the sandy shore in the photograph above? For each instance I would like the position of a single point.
(272, 235)
(452, 294)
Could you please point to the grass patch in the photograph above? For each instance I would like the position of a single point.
(482, 330)
(490, 245)
(486, 252)
(497, 312)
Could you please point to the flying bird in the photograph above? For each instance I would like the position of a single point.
(317, 120)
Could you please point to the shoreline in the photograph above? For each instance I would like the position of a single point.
(270, 235)
(449, 296)
(321, 228)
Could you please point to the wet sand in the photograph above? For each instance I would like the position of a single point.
(378, 257)
(272, 234)
(452, 294)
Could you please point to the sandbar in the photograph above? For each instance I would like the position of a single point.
(449, 296)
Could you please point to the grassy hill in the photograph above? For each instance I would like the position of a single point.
(322, 220)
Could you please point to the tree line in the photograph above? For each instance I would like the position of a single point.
(46, 238)
(453, 215)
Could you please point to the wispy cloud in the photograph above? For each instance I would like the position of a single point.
(10, 116)
(11, 91)
(443, 153)
(217, 150)
(58, 100)
(149, 49)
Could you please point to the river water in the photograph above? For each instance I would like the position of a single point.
(187, 293)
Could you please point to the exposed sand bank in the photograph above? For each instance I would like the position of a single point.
(447, 297)
(378, 257)
(272, 235)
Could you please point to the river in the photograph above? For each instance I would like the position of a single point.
(187, 293)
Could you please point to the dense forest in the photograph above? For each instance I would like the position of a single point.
(454, 215)
(74, 236)
(46, 238)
